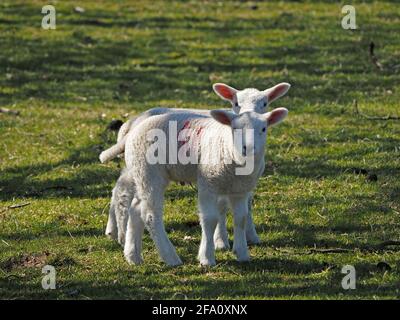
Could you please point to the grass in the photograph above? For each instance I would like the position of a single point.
(125, 57)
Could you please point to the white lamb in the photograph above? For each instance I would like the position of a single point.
(215, 175)
(123, 193)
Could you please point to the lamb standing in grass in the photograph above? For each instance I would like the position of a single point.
(123, 193)
(215, 175)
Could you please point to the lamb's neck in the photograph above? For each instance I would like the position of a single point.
(217, 148)
(217, 143)
(224, 141)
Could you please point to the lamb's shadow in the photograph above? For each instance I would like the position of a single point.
(54, 230)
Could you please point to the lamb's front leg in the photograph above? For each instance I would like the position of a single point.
(152, 215)
(221, 238)
(239, 205)
(251, 233)
(208, 212)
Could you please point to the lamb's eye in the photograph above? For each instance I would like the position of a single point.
(263, 129)
(236, 104)
(265, 104)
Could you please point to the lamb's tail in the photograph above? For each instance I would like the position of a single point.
(113, 151)
(119, 147)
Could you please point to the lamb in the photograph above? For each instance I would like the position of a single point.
(241, 100)
(215, 136)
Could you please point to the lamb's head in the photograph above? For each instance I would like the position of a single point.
(250, 99)
(249, 129)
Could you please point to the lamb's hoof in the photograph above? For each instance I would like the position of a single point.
(241, 255)
(133, 259)
(174, 262)
(253, 240)
(219, 244)
(207, 262)
(243, 258)
(121, 240)
(111, 235)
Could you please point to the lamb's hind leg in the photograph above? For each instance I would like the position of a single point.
(152, 215)
(134, 234)
(112, 229)
(123, 202)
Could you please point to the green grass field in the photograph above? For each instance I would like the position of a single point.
(123, 57)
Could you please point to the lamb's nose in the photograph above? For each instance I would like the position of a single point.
(244, 151)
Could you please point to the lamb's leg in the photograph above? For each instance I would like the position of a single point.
(134, 234)
(251, 233)
(221, 238)
(239, 207)
(152, 215)
(124, 200)
(111, 229)
(208, 219)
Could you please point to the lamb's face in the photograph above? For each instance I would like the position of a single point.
(249, 131)
(250, 100)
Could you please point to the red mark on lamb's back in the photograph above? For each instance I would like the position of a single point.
(186, 126)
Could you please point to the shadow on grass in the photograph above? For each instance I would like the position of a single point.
(270, 278)
(89, 180)
(54, 67)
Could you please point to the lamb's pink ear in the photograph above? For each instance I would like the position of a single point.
(224, 91)
(276, 116)
(223, 116)
(277, 91)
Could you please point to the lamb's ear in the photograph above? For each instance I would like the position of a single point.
(224, 91)
(277, 91)
(223, 116)
(276, 116)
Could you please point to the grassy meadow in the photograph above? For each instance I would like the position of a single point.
(332, 179)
